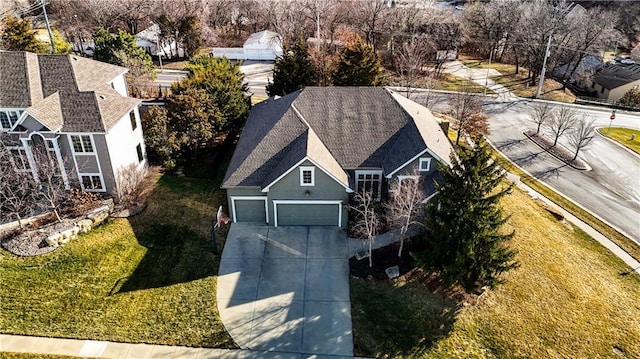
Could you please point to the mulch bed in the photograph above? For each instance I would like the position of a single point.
(557, 151)
(386, 257)
(31, 240)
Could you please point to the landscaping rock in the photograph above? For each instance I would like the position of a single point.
(53, 239)
(98, 216)
(84, 225)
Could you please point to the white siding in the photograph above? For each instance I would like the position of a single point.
(122, 141)
(120, 85)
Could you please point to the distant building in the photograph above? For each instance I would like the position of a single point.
(149, 39)
(614, 80)
(263, 45)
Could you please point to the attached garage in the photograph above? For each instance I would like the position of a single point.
(307, 213)
(249, 209)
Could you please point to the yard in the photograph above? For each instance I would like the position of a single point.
(623, 137)
(518, 83)
(446, 82)
(570, 298)
(149, 279)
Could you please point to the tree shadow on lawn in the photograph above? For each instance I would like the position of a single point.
(403, 317)
(174, 229)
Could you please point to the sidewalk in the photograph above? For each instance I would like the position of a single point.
(103, 349)
(480, 77)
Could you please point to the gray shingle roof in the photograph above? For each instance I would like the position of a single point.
(615, 75)
(86, 102)
(337, 127)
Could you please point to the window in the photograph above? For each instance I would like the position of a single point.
(20, 159)
(307, 176)
(602, 89)
(134, 123)
(91, 182)
(369, 181)
(402, 180)
(139, 150)
(593, 84)
(425, 164)
(8, 119)
(81, 143)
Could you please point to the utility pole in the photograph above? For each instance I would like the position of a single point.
(46, 20)
(486, 79)
(318, 24)
(544, 67)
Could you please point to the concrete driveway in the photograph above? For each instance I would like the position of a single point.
(286, 290)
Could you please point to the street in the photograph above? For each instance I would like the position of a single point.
(611, 189)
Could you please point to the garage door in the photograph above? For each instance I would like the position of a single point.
(311, 213)
(249, 210)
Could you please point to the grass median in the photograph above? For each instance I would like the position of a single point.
(625, 136)
(148, 279)
(568, 299)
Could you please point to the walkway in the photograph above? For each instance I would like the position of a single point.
(479, 76)
(286, 289)
(103, 349)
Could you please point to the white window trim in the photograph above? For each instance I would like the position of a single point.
(401, 178)
(19, 111)
(423, 160)
(285, 202)
(93, 144)
(371, 172)
(26, 157)
(248, 198)
(313, 176)
(99, 175)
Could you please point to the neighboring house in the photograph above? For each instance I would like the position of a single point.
(635, 53)
(614, 80)
(75, 110)
(263, 45)
(584, 72)
(149, 39)
(300, 156)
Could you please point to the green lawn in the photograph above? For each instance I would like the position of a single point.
(149, 279)
(623, 137)
(33, 356)
(567, 300)
(446, 82)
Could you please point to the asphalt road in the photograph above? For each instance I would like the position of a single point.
(611, 189)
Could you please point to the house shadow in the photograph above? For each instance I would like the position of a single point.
(175, 254)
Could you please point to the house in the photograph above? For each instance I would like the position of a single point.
(583, 73)
(75, 110)
(614, 80)
(149, 39)
(263, 45)
(300, 156)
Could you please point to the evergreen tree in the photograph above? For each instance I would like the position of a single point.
(105, 46)
(120, 49)
(465, 241)
(224, 82)
(61, 46)
(292, 71)
(358, 65)
(18, 36)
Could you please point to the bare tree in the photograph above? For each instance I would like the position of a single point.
(366, 222)
(410, 61)
(132, 184)
(562, 120)
(582, 135)
(541, 112)
(17, 189)
(405, 205)
(54, 193)
(466, 109)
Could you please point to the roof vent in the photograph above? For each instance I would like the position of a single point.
(103, 97)
(75, 58)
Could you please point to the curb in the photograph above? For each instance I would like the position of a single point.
(570, 200)
(587, 168)
(616, 142)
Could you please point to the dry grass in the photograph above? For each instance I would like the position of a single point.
(446, 82)
(623, 137)
(519, 84)
(567, 300)
(34, 356)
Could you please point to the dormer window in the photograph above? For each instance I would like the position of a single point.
(8, 119)
(425, 164)
(307, 176)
